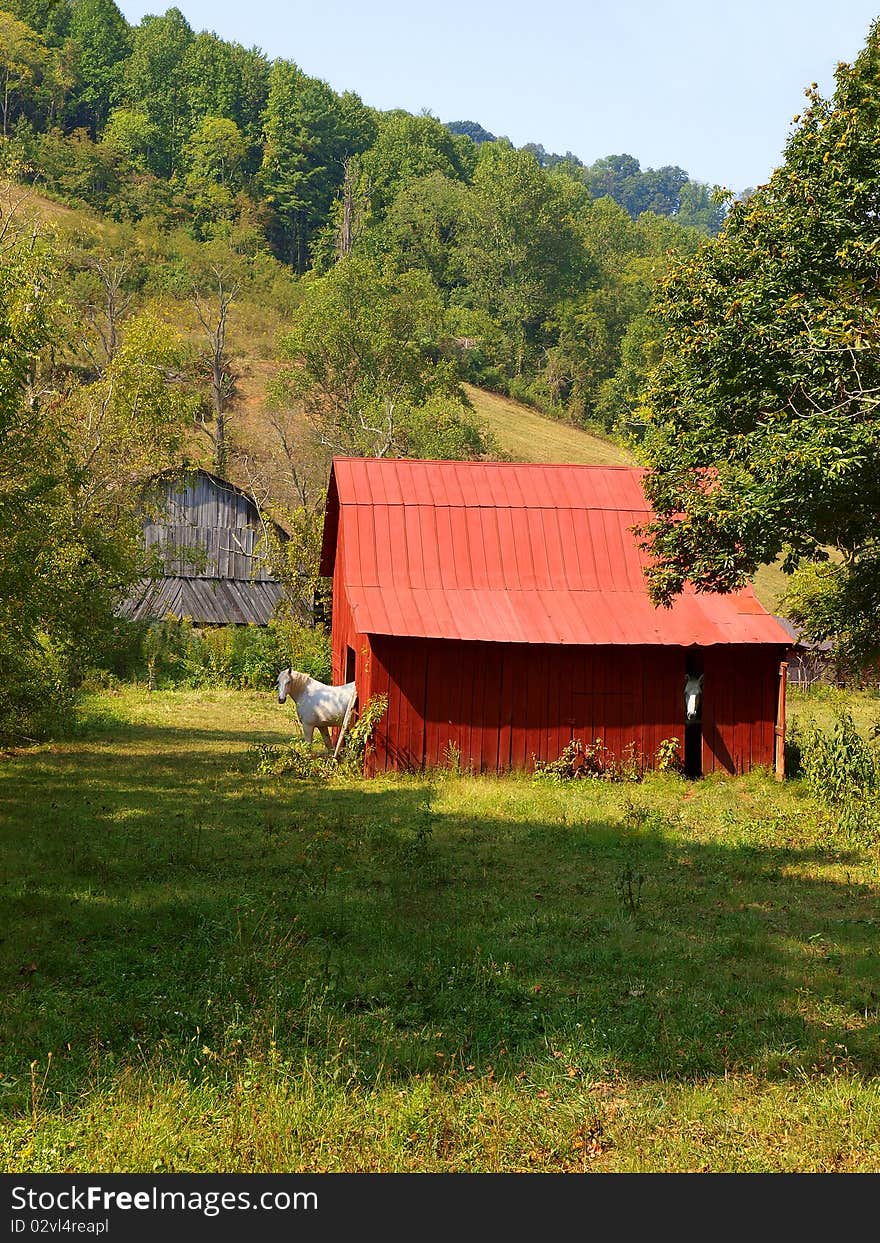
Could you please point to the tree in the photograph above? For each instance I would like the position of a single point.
(701, 208)
(521, 249)
(212, 308)
(408, 147)
(363, 356)
(215, 152)
(132, 134)
(73, 458)
(25, 63)
(226, 80)
(101, 38)
(155, 82)
(765, 409)
(310, 132)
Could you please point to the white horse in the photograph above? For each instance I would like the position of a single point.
(693, 696)
(318, 706)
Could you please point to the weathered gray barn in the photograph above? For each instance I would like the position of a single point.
(207, 533)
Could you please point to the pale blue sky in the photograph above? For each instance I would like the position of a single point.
(711, 87)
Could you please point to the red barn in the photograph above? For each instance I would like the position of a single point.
(502, 608)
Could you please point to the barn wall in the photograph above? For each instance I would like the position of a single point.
(207, 530)
(502, 704)
(739, 707)
(344, 634)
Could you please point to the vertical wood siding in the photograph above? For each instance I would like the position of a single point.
(502, 705)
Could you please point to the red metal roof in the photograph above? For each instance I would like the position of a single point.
(512, 553)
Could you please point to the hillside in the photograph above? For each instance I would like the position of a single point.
(532, 437)
(519, 430)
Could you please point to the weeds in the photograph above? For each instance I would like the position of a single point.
(298, 759)
(629, 887)
(579, 760)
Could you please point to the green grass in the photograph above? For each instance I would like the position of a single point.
(529, 436)
(422, 973)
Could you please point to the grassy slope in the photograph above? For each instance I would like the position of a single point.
(532, 437)
(428, 973)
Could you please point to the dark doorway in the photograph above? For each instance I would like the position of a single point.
(350, 665)
(693, 730)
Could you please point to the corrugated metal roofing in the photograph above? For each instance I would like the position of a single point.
(512, 553)
(205, 601)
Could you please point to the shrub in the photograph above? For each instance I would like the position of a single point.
(37, 699)
(360, 734)
(295, 759)
(174, 653)
(580, 760)
(839, 765)
(667, 757)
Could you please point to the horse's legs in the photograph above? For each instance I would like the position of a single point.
(325, 734)
(308, 732)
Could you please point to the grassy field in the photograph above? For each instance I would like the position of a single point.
(529, 436)
(204, 969)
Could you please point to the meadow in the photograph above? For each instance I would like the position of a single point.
(207, 969)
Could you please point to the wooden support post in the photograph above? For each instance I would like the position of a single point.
(779, 731)
(344, 725)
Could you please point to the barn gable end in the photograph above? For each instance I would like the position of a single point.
(207, 533)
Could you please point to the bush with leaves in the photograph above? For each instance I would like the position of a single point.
(298, 759)
(176, 653)
(839, 765)
(594, 760)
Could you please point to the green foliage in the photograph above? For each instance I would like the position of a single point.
(842, 770)
(360, 734)
(764, 433)
(27, 71)
(175, 653)
(309, 133)
(840, 601)
(363, 356)
(295, 759)
(155, 82)
(839, 765)
(664, 191)
(408, 148)
(580, 760)
(100, 36)
(668, 758)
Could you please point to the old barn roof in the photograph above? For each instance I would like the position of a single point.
(207, 533)
(511, 553)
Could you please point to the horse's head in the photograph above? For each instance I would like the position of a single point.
(283, 684)
(290, 682)
(693, 694)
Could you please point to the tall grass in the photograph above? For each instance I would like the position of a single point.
(245, 972)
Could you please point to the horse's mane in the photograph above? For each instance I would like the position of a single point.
(296, 682)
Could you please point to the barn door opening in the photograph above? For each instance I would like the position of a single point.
(350, 665)
(693, 730)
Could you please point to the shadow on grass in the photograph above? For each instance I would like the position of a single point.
(169, 908)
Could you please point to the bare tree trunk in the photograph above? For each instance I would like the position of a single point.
(352, 208)
(116, 302)
(214, 319)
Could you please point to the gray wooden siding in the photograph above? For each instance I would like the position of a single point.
(208, 537)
